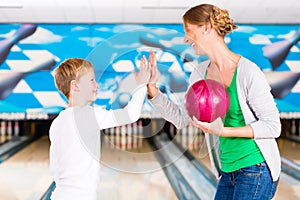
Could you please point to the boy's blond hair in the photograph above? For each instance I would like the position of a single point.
(70, 69)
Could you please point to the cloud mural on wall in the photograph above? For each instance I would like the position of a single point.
(120, 48)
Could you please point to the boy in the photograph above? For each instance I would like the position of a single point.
(75, 133)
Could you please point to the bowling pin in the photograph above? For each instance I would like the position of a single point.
(9, 79)
(293, 127)
(298, 133)
(191, 136)
(154, 40)
(172, 130)
(129, 136)
(134, 135)
(123, 137)
(112, 130)
(3, 128)
(106, 131)
(195, 142)
(16, 129)
(112, 137)
(278, 51)
(2, 135)
(140, 134)
(200, 138)
(140, 127)
(197, 133)
(282, 82)
(184, 137)
(123, 129)
(117, 138)
(9, 129)
(178, 136)
(134, 128)
(5, 45)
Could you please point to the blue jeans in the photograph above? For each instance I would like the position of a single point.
(254, 182)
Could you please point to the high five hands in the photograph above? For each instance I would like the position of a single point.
(148, 73)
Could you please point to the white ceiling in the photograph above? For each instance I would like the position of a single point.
(142, 11)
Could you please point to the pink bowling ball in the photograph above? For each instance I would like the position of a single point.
(207, 100)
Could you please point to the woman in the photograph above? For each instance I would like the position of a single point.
(244, 152)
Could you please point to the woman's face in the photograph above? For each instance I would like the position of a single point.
(193, 36)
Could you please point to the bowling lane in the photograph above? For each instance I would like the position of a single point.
(131, 171)
(288, 187)
(289, 149)
(4, 139)
(25, 175)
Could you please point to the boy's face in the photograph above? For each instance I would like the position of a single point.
(88, 87)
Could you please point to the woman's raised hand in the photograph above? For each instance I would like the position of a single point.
(154, 71)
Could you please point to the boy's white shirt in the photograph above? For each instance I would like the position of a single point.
(75, 145)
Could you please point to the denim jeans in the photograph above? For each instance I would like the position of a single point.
(254, 182)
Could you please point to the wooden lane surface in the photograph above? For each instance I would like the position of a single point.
(288, 188)
(4, 139)
(25, 175)
(116, 185)
(118, 180)
(289, 149)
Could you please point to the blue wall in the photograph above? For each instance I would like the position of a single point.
(27, 70)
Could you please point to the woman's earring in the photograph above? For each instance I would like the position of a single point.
(205, 32)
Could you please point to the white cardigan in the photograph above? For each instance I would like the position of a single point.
(258, 108)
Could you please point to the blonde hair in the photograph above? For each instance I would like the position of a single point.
(207, 13)
(70, 69)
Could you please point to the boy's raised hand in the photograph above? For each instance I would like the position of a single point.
(143, 76)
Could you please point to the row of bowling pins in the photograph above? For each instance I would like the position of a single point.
(126, 137)
(189, 137)
(9, 128)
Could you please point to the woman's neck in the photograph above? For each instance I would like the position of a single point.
(224, 61)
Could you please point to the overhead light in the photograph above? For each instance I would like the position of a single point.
(11, 4)
(165, 7)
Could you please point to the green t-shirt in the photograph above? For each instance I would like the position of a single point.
(237, 153)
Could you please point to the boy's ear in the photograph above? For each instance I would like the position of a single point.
(73, 85)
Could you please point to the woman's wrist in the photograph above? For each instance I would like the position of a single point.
(152, 90)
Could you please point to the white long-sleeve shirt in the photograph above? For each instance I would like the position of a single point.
(75, 145)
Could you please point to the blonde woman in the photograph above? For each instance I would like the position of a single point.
(244, 153)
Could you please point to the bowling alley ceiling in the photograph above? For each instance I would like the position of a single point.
(142, 11)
